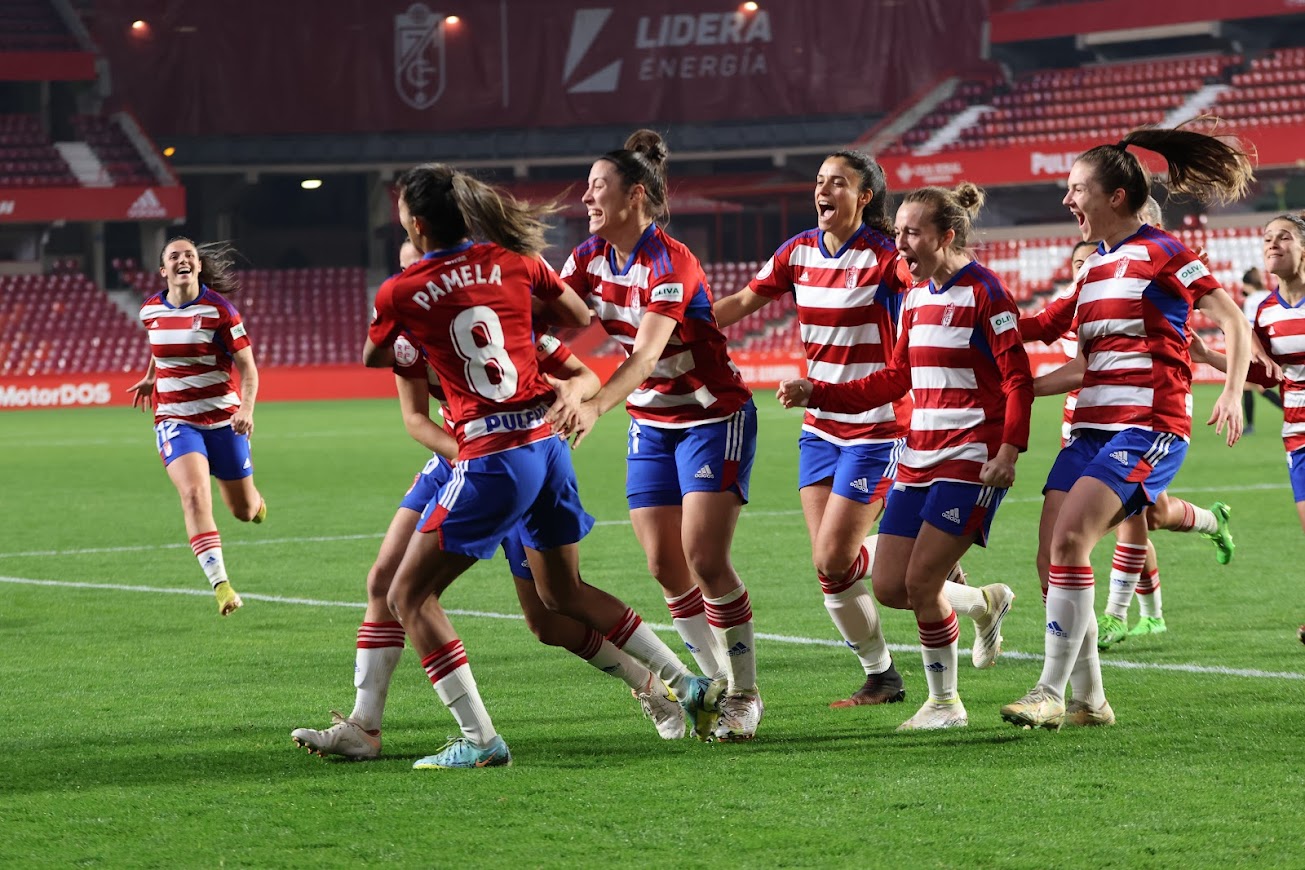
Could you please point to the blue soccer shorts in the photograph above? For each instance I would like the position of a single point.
(664, 465)
(1137, 464)
(227, 453)
(859, 472)
(961, 509)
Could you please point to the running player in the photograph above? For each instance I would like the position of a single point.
(1131, 424)
(202, 421)
(693, 430)
(960, 354)
(467, 305)
(848, 282)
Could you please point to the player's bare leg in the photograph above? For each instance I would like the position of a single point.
(189, 473)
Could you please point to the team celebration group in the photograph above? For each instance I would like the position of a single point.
(917, 407)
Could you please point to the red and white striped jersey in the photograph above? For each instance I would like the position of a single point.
(694, 381)
(848, 305)
(468, 309)
(1281, 329)
(1133, 306)
(193, 347)
(961, 355)
(1056, 323)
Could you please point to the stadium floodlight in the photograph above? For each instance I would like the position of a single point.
(311, 183)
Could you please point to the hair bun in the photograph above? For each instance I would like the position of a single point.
(969, 197)
(650, 144)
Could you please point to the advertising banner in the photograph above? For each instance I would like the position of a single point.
(132, 203)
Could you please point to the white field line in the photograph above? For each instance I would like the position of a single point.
(665, 629)
(139, 548)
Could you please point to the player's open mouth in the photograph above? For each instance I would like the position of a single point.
(1079, 216)
(825, 210)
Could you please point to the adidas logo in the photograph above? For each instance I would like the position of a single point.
(610, 669)
(704, 473)
(952, 516)
(738, 649)
(806, 276)
(1054, 628)
(860, 485)
(246, 465)
(1121, 455)
(936, 667)
(690, 647)
(852, 646)
(211, 560)
(147, 205)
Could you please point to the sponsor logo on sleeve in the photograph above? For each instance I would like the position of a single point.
(546, 345)
(404, 353)
(238, 331)
(1002, 322)
(568, 268)
(1191, 272)
(668, 293)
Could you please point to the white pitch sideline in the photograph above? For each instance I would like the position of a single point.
(1211, 670)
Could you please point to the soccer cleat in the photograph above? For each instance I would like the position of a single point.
(936, 715)
(883, 688)
(1148, 625)
(659, 705)
(701, 705)
(740, 714)
(460, 752)
(1037, 709)
(228, 601)
(1300, 633)
(345, 738)
(987, 628)
(956, 575)
(1080, 713)
(1110, 631)
(262, 513)
(1223, 540)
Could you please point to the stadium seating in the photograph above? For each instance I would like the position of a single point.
(115, 151)
(33, 25)
(1270, 92)
(296, 317)
(27, 156)
(53, 324)
(1047, 106)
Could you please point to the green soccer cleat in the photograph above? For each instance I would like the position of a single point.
(1223, 540)
(460, 752)
(1148, 625)
(1110, 631)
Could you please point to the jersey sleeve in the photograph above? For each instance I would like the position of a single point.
(384, 328)
(1187, 277)
(775, 278)
(544, 282)
(408, 360)
(998, 319)
(667, 294)
(1053, 321)
(879, 388)
(1258, 374)
(574, 275)
(552, 354)
(232, 330)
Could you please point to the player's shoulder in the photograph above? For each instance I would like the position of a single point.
(805, 239)
(664, 254)
(986, 283)
(1162, 245)
(220, 302)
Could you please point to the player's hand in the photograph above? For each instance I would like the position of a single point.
(142, 394)
(1203, 255)
(795, 393)
(567, 404)
(1258, 355)
(1227, 411)
(243, 422)
(581, 423)
(997, 473)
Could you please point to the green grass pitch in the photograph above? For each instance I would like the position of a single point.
(142, 730)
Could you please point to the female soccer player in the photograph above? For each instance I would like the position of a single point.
(202, 422)
(961, 356)
(1131, 424)
(848, 281)
(693, 430)
(468, 305)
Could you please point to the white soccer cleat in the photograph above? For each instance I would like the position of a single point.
(987, 628)
(936, 715)
(659, 705)
(1038, 709)
(345, 738)
(740, 714)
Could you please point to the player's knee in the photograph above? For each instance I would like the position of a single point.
(833, 565)
(379, 579)
(709, 565)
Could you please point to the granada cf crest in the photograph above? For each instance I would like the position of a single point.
(419, 56)
(853, 275)
(1121, 268)
(948, 313)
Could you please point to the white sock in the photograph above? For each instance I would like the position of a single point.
(854, 615)
(731, 621)
(966, 600)
(207, 547)
(603, 654)
(1085, 678)
(1148, 595)
(451, 676)
(1197, 519)
(380, 646)
(1069, 609)
(641, 643)
(689, 617)
(1125, 569)
(938, 642)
